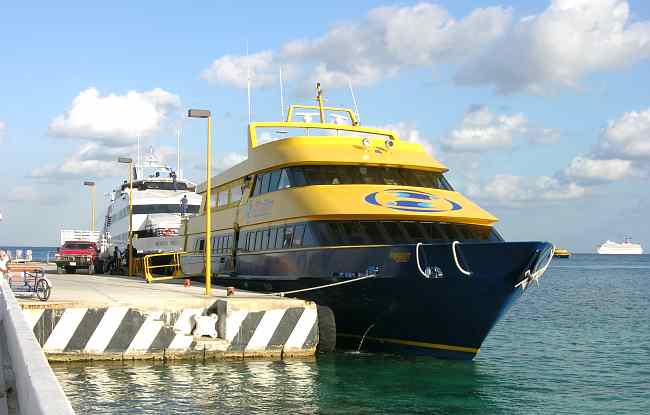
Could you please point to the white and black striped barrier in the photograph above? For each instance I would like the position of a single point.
(243, 327)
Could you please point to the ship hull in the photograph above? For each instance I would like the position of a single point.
(447, 314)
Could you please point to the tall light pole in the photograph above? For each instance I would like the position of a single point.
(129, 161)
(92, 204)
(196, 113)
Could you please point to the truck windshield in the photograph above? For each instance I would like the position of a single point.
(77, 246)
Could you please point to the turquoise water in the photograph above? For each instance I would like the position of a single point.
(577, 344)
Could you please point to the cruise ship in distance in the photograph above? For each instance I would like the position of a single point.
(625, 248)
(367, 226)
(156, 209)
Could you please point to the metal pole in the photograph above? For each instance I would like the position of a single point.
(130, 247)
(208, 215)
(92, 207)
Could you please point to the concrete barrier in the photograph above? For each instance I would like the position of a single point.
(37, 390)
(245, 327)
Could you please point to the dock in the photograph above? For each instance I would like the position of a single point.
(104, 317)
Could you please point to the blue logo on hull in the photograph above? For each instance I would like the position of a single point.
(411, 201)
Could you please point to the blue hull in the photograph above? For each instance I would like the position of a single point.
(447, 314)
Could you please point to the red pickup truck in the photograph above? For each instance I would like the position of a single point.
(74, 255)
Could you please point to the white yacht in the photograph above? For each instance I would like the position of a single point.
(625, 248)
(157, 209)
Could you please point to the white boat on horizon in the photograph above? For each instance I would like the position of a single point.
(615, 248)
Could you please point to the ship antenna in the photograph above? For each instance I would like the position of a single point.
(248, 82)
(354, 100)
(178, 151)
(281, 97)
(319, 98)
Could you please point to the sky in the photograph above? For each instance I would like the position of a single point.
(541, 109)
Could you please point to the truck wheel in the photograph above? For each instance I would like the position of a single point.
(326, 330)
(69, 270)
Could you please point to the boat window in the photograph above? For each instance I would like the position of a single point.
(288, 236)
(298, 233)
(284, 180)
(160, 208)
(297, 177)
(201, 245)
(308, 238)
(273, 234)
(235, 194)
(265, 240)
(222, 198)
(266, 178)
(275, 180)
(258, 185)
(162, 186)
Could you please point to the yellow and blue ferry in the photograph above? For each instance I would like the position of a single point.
(367, 226)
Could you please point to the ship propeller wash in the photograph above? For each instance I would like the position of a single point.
(367, 226)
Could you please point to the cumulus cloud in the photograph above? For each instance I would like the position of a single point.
(229, 160)
(28, 194)
(114, 119)
(587, 170)
(234, 70)
(570, 39)
(627, 137)
(386, 41)
(511, 190)
(482, 129)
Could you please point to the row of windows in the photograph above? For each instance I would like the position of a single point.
(228, 196)
(221, 245)
(160, 186)
(298, 176)
(151, 209)
(309, 234)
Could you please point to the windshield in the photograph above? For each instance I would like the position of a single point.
(77, 245)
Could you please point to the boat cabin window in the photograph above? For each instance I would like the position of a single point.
(222, 198)
(338, 233)
(235, 194)
(299, 176)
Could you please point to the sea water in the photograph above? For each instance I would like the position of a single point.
(577, 344)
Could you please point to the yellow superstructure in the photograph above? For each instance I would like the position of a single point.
(274, 145)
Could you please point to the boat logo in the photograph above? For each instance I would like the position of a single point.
(411, 201)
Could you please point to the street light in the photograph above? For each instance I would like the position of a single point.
(92, 204)
(129, 161)
(196, 113)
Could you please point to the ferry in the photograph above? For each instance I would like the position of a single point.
(625, 248)
(367, 226)
(561, 253)
(156, 210)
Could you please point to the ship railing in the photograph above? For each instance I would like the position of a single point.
(163, 266)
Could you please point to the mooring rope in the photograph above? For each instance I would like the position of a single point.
(318, 287)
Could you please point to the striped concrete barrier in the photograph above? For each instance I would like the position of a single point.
(244, 328)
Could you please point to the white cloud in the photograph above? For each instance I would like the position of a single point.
(234, 70)
(3, 130)
(409, 132)
(114, 119)
(481, 130)
(229, 160)
(570, 39)
(589, 170)
(28, 194)
(628, 137)
(510, 190)
(386, 41)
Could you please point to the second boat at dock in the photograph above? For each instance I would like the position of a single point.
(367, 226)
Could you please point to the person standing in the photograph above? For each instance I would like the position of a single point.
(184, 205)
(173, 176)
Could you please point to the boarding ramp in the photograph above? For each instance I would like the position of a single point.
(27, 384)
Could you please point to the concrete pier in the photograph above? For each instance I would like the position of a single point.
(101, 317)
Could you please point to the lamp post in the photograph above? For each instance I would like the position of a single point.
(92, 204)
(129, 161)
(196, 113)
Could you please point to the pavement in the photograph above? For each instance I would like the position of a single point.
(96, 291)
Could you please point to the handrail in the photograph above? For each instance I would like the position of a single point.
(174, 265)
